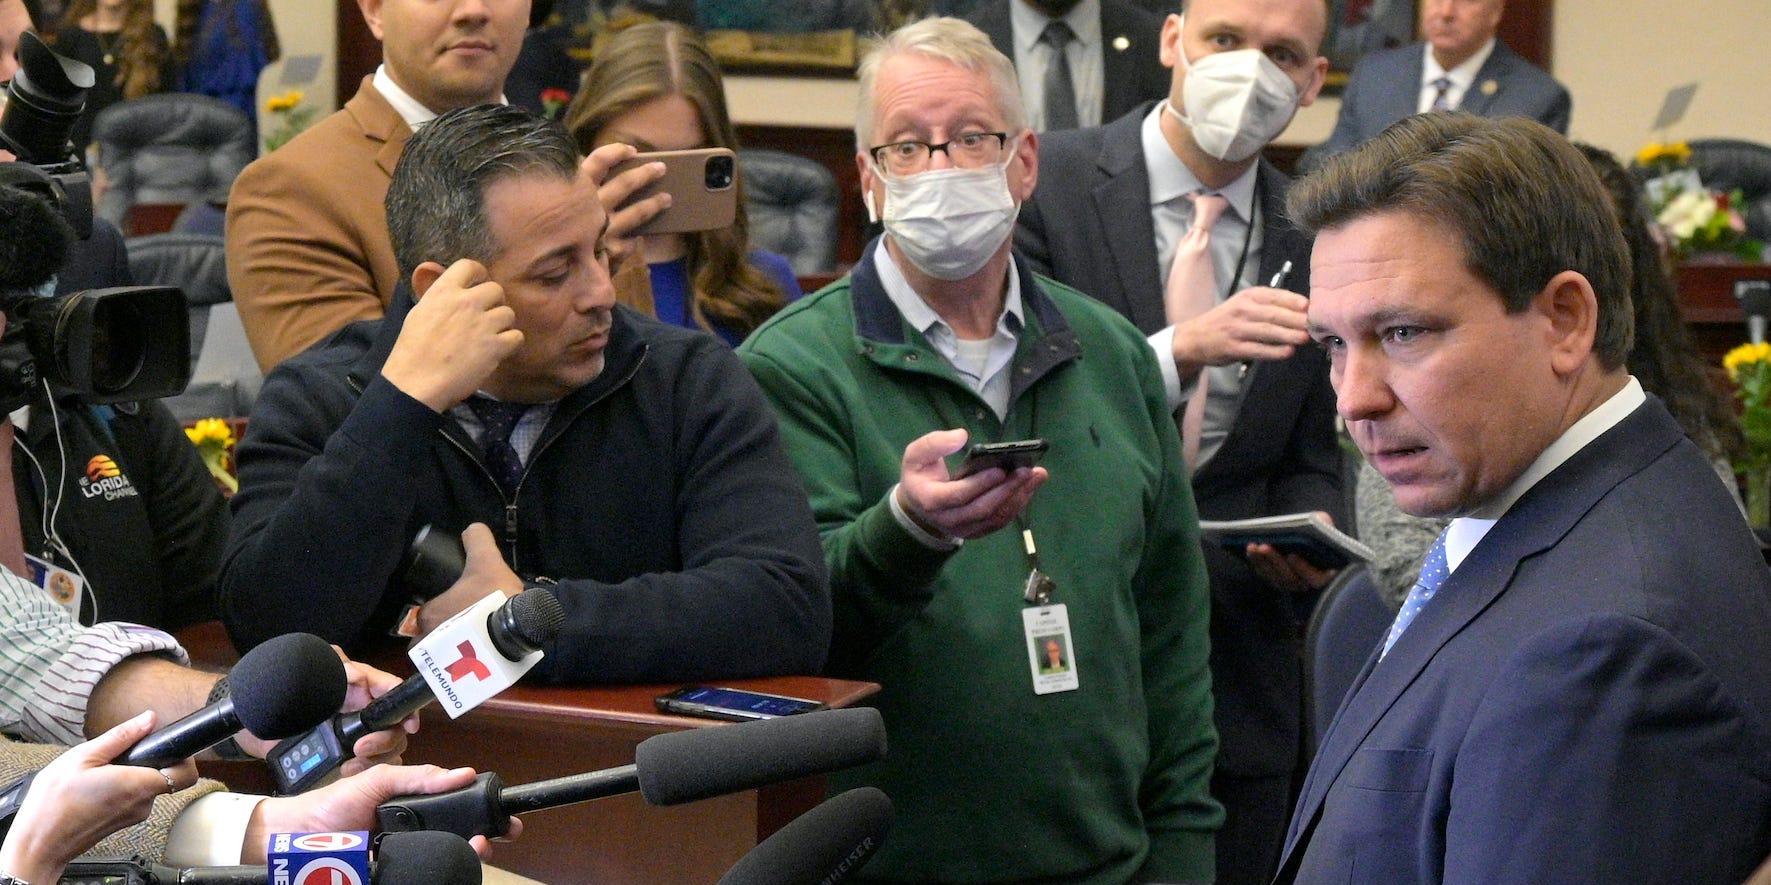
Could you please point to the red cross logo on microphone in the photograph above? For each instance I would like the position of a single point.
(469, 665)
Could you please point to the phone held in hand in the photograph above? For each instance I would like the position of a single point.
(703, 188)
(1005, 455)
(732, 704)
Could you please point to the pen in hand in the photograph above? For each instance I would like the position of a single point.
(1279, 278)
(1274, 283)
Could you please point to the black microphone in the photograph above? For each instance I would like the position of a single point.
(668, 769)
(430, 858)
(278, 689)
(260, 699)
(823, 846)
(517, 628)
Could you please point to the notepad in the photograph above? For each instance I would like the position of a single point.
(1308, 535)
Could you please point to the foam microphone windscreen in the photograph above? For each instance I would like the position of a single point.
(33, 237)
(426, 857)
(287, 685)
(686, 766)
(821, 847)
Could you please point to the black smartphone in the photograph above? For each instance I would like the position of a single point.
(1006, 455)
(732, 704)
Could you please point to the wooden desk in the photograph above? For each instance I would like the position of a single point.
(530, 734)
(1706, 300)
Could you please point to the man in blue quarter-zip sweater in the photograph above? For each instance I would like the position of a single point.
(634, 468)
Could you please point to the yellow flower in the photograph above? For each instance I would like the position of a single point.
(1675, 152)
(210, 432)
(1744, 355)
(285, 102)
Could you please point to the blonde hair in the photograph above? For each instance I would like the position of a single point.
(951, 40)
(653, 60)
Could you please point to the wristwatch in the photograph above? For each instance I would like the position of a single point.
(12, 880)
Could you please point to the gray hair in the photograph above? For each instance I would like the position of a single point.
(436, 201)
(951, 40)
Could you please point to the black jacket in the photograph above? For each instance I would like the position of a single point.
(658, 496)
(149, 538)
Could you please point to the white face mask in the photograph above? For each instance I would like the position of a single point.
(949, 222)
(1236, 102)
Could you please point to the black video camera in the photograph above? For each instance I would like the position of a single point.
(103, 345)
(44, 100)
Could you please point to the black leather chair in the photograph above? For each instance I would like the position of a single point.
(171, 148)
(225, 378)
(1349, 621)
(1728, 163)
(792, 205)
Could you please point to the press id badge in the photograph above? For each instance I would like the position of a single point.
(64, 586)
(1050, 652)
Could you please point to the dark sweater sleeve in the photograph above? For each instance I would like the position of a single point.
(751, 598)
(321, 518)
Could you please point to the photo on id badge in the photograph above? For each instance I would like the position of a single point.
(1049, 650)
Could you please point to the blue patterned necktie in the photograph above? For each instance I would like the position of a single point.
(1432, 573)
(497, 420)
(1442, 101)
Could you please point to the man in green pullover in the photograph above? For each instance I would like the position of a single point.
(950, 590)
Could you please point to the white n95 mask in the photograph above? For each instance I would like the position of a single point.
(1236, 102)
(949, 222)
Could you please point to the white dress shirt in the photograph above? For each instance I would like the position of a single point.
(1462, 77)
(1170, 182)
(1465, 532)
(1032, 58)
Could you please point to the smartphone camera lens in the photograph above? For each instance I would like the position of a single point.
(719, 173)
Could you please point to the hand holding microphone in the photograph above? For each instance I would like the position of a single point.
(668, 769)
(400, 859)
(513, 632)
(483, 570)
(80, 798)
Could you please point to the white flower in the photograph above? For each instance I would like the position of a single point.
(1684, 214)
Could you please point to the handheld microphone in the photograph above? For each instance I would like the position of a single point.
(821, 847)
(279, 688)
(401, 859)
(668, 769)
(515, 630)
(259, 700)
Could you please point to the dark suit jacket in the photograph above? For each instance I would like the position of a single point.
(1129, 76)
(1586, 699)
(1089, 225)
(1385, 87)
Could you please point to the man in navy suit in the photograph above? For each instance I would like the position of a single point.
(1582, 690)
(1112, 58)
(1460, 66)
(1106, 218)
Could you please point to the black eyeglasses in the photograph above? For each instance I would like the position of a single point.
(969, 150)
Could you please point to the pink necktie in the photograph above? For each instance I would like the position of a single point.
(1192, 290)
(12, 540)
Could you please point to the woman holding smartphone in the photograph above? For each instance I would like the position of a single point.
(655, 86)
